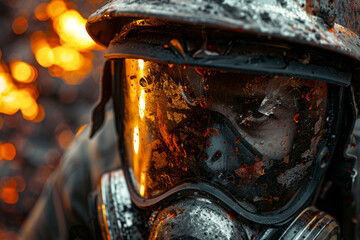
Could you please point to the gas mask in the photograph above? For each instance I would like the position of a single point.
(214, 154)
(228, 114)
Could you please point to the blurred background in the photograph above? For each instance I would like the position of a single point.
(49, 74)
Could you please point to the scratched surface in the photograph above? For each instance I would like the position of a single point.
(312, 22)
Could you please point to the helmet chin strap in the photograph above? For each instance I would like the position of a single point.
(195, 218)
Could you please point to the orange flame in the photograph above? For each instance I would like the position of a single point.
(20, 25)
(296, 118)
(71, 58)
(16, 99)
(10, 187)
(23, 72)
(71, 28)
(7, 151)
(66, 54)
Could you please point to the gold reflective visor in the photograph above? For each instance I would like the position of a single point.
(253, 135)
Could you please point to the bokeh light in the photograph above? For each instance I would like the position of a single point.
(8, 151)
(15, 98)
(55, 8)
(9, 195)
(69, 57)
(23, 72)
(20, 25)
(71, 28)
(65, 138)
(40, 12)
(47, 89)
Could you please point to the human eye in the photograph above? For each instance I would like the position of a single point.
(258, 111)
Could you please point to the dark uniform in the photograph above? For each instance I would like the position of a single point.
(62, 211)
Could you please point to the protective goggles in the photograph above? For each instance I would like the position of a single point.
(258, 143)
(248, 127)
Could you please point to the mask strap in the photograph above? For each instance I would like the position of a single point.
(98, 114)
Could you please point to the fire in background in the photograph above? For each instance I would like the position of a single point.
(48, 85)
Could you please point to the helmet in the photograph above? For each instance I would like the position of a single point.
(305, 22)
(241, 104)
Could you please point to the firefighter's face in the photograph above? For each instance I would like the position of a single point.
(254, 135)
(270, 125)
(204, 143)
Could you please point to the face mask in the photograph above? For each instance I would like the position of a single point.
(196, 218)
(224, 143)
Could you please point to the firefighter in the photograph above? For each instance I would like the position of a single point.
(232, 119)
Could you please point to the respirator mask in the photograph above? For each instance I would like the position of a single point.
(212, 154)
(231, 146)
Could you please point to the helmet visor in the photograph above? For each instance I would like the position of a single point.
(254, 136)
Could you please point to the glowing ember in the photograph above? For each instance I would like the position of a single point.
(23, 72)
(68, 57)
(81, 129)
(40, 12)
(8, 151)
(9, 195)
(40, 115)
(55, 8)
(71, 29)
(4, 84)
(65, 138)
(45, 56)
(30, 112)
(15, 99)
(20, 25)
(10, 187)
(296, 117)
(61, 48)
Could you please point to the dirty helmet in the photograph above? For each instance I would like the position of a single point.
(229, 114)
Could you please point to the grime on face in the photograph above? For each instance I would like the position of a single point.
(254, 136)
